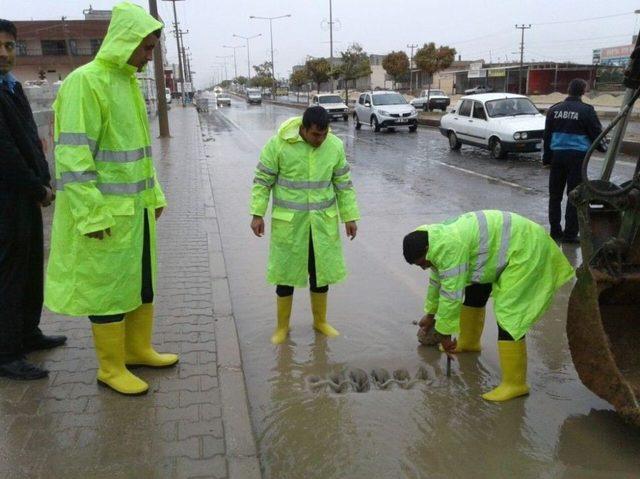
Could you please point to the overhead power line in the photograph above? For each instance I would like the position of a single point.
(583, 19)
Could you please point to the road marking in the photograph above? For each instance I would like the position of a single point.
(469, 172)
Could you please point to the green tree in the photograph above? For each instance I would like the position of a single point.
(318, 70)
(225, 84)
(241, 80)
(355, 64)
(297, 79)
(396, 64)
(431, 60)
(262, 78)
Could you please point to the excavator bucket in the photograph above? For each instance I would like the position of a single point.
(603, 327)
(603, 322)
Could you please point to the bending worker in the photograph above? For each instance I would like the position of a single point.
(103, 241)
(305, 167)
(477, 255)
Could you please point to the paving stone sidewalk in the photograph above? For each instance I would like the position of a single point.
(194, 421)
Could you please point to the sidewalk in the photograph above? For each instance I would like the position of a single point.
(194, 422)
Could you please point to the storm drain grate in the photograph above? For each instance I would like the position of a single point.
(357, 380)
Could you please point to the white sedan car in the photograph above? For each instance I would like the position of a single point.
(500, 122)
(334, 105)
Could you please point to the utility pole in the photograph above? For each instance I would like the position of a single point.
(412, 46)
(331, 42)
(522, 28)
(235, 63)
(175, 29)
(273, 67)
(248, 55)
(158, 69)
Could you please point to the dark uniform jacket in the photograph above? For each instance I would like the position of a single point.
(23, 166)
(570, 125)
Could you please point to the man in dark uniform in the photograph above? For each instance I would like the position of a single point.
(24, 189)
(570, 128)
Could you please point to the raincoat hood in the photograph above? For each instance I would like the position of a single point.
(129, 25)
(289, 131)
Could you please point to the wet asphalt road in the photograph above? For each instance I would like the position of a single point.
(440, 427)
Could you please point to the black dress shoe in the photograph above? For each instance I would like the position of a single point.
(571, 239)
(21, 369)
(43, 342)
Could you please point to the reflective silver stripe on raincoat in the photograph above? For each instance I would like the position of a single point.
(292, 205)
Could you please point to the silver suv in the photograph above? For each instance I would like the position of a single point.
(385, 109)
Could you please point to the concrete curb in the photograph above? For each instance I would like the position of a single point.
(241, 450)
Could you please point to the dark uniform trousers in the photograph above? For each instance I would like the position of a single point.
(21, 272)
(566, 169)
(146, 291)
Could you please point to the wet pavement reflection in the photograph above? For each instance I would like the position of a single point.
(437, 428)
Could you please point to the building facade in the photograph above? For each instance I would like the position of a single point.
(51, 49)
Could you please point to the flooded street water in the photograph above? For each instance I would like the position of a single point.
(440, 427)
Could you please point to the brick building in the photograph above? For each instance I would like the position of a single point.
(51, 49)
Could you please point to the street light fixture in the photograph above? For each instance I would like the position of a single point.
(235, 64)
(273, 68)
(248, 56)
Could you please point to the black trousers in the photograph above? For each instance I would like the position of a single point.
(476, 296)
(566, 172)
(283, 291)
(146, 292)
(21, 272)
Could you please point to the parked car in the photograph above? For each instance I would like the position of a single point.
(223, 99)
(478, 89)
(385, 109)
(500, 122)
(254, 96)
(333, 104)
(167, 95)
(431, 100)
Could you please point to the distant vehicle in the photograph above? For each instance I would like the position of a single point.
(385, 109)
(217, 90)
(431, 100)
(500, 122)
(333, 104)
(167, 94)
(254, 96)
(478, 89)
(223, 99)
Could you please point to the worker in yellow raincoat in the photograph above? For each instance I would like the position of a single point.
(305, 167)
(103, 241)
(487, 253)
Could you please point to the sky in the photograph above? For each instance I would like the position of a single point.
(561, 30)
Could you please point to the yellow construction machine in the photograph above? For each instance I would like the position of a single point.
(603, 323)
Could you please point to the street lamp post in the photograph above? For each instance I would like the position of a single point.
(235, 63)
(224, 57)
(273, 67)
(248, 55)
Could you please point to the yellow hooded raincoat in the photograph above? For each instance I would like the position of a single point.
(310, 186)
(105, 178)
(516, 255)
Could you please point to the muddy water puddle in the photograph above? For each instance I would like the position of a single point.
(440, 427)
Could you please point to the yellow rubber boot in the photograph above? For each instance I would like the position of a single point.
(284, 304)
(471, 326)
(138, 348)
(319, 310)
(513, 361)
(109, 342)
